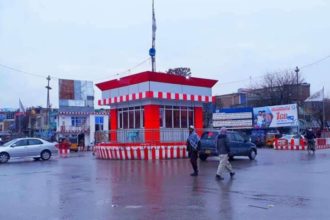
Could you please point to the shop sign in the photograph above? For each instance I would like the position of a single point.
(275, 116)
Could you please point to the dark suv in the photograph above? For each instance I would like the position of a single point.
(238, 146)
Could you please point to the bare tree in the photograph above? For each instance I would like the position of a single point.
(276, 89)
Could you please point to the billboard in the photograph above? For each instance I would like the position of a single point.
(234, 118)
(76, 93)
(275, 116)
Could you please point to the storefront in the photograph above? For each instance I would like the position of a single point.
(150, 114)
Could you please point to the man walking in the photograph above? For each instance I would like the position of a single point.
(192, 147)
(224, 150)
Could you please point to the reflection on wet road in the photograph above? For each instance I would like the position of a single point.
(278, 185)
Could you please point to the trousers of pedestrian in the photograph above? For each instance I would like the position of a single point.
(193, 160)
(224, 165)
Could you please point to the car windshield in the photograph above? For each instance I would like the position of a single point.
(9, 143)
(209, 135)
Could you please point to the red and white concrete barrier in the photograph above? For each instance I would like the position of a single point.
(296, 144)
(64, 152)
(140, 152)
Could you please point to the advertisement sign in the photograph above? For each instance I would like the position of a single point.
(76, 93)
(275, 116)
(234, 118)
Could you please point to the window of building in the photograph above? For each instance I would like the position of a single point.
(176, 117)
(99, 123)
(132, 118)
(77, 121)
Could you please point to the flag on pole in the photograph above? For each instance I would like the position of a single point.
(21, 107)
(316, 97)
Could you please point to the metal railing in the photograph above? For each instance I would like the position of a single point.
(143, 136)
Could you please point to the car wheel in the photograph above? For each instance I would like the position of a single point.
(45, 155)
(252, 154)
(4, 157)
(203, 157)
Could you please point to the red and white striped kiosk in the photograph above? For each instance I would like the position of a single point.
(150, 113)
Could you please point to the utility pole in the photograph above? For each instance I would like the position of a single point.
(152, 51)
(297, 75)
(48, 101)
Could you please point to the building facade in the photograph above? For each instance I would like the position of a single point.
(153, 109)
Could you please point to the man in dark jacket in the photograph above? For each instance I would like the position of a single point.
(224, 150)
(192, 147)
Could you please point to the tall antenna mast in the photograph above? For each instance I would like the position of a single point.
(152, 51)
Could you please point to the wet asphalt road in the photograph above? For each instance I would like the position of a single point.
(278, 185)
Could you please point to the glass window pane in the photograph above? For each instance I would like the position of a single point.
(184, 118)
(161, 117)
(125, 120)
(176, 118)
(131, 119)
(168, 117)
(137, 118)
(191, 118)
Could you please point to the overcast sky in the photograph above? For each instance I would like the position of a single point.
(234, 40)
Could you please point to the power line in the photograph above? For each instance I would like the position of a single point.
(316, 62)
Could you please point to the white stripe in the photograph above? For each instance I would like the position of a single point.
(180, 96)
(149, 153)
(155, 95)
(135, 149)
(143, 95)
(210, 98)
(196, 97)
(164, 95)
(188, 97)
(124, 98)
(203, 98)
(130, 97)
(172, 95)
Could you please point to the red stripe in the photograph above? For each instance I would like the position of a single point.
(132, 153)
(160, 153)
(192, 98)
(127, 98)
(207, 99)
(178, 153)
(104, 101)
(140, 95)
(185, 97)
(176, 96)
(99, 102)
(146, 153)
(109, 101)
(168, 95)
(199, 98)
(133, 96)
(120, 153)
(184, 152)
(160, 95)
(149, 94)
(139, 153)
(172, 152)
(121, 99)
(153, 153)
(214, 99)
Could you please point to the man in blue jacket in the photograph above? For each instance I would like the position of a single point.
(192, 147)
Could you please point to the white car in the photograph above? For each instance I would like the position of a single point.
(35, 148)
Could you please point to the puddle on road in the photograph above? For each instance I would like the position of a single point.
(292, 201)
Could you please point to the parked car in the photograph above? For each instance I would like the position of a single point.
(35, 148)
(238, 145)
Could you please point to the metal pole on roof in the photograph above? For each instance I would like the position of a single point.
(152, 51)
